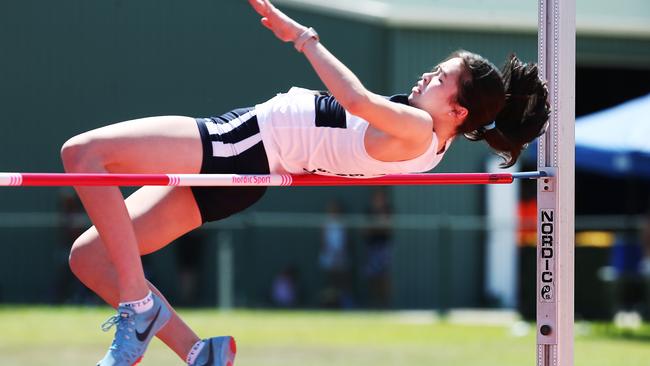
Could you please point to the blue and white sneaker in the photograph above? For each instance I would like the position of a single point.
(218, 351)
(134, 332)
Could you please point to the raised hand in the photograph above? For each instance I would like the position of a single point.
(285, 28)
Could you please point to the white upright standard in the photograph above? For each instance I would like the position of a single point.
(555, 194)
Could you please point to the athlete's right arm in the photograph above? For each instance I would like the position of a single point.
(398, 120)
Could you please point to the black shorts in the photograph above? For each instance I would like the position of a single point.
(231, 145)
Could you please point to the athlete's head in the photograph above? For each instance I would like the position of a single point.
(471, 93)
(437, 90)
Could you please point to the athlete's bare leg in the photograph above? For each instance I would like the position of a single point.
(159, 215)
(107, 257)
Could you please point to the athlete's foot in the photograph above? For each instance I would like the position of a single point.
(134, 332)
(217, 351)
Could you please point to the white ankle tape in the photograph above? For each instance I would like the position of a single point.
(140, 306)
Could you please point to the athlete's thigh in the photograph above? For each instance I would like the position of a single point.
(166, 144)
(159, 216)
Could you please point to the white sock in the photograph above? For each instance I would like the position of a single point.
(140, 306)
(194, 352)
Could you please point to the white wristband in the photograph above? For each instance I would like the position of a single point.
(309, 33)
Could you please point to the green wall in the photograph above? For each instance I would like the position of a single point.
(72, 65)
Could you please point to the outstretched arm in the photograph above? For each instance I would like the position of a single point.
(395, 119)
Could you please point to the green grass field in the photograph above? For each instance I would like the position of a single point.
(49, 336)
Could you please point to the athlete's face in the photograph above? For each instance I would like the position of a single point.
(436, 90)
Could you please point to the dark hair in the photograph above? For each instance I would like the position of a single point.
(515, 99)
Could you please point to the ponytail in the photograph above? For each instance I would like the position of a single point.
(524, 115)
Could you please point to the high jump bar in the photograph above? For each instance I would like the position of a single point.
(272, 180)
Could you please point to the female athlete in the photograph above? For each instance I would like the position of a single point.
(349, 131)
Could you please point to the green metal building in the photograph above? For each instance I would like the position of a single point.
(72, 65)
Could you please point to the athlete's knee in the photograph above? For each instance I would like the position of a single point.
(80, 259)
(82, 153)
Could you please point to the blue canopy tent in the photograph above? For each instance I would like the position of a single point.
(615, 141)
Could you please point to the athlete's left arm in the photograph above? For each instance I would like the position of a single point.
(394, 119)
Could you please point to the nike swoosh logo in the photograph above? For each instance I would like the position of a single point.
(143, 336)
(210, 360)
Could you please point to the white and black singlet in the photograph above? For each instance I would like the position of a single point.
(307, 133)
(298, 132)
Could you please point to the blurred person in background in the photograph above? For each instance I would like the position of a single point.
(72, 223)
(333, 259)
(379, 242)
(189, 252)
(626, 260)
(284, 288)
(644, 236)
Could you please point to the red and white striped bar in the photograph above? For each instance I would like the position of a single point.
(273, 180)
